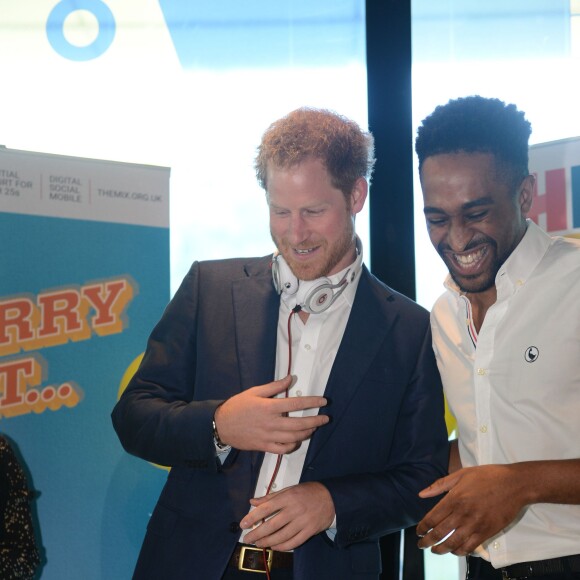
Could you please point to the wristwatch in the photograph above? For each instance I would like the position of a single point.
(219, 444)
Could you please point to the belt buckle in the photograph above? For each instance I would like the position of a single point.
(244, 549)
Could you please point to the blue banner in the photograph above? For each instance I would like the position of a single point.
(78, 298)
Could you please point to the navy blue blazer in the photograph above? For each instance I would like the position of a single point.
(386, 441)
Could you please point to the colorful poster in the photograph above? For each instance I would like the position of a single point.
(556, 206)
(84, 276)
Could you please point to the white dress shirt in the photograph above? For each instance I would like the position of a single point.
(516, 395)
(314, 347)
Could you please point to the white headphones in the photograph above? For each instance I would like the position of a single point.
(313, 296)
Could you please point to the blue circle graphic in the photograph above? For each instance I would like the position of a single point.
(55, 29)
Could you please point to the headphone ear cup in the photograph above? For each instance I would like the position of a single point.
(283, 278)
(319, 298)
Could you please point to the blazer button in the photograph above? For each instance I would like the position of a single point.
(235, 527)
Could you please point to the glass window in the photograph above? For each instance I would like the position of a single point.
(188, 85)
(524, 52)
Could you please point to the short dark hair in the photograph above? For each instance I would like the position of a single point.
(344, 148)
(477, 125)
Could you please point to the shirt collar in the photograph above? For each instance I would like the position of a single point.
(516, 270)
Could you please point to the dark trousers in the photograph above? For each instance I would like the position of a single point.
(480, 569)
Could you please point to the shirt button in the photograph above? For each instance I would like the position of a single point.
(299, 393)
(520, 283)
(496, 545)
(274, 486)
(307, 347)
(483, 428)
(481, 371)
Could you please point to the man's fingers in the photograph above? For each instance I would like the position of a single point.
(464, 546)
(469, 545)
(431, 491)
(256, 419)
(443, 484)
(262, 515)
(437, 516)
(280, 538)
(438, 487)
(289, 404)
(275, 531)
(439, 537)
(275, 387)
(281, 440)
(256, 501)
(458, 542)
(301, 403)
(293, 429)
(299, 424)
(281, 448)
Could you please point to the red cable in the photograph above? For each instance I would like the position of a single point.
(295, 310)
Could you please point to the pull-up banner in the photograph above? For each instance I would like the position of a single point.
(84, 276)
(556, 206)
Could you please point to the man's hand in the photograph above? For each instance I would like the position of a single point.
(254, 421)
(481, 501)
(293, 515)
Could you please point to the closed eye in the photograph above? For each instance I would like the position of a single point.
(474, 216)
(279, 212)
(436, 221)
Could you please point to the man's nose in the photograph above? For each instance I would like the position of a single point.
(458, 236)
(297, 230)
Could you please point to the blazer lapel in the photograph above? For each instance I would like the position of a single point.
(369, 323)
(256, 306)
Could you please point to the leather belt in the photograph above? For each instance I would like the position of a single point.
(541, 567)
(251, 559)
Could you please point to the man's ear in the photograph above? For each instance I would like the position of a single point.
(358, 195)
(526, 195)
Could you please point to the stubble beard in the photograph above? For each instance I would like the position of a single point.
(476, 284)
(316, 270)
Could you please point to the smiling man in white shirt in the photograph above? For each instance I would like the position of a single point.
(506, 335)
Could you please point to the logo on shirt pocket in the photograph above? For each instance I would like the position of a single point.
(531, 355)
